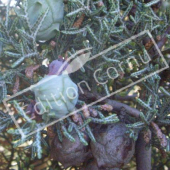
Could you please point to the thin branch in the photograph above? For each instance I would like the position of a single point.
(117, 106)
(125, 98)
(143, 155)
(153, 52)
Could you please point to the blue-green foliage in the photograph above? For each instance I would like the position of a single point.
(156, 108)
(101, 28)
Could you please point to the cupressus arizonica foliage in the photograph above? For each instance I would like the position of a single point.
(96, 25)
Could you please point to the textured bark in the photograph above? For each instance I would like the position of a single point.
(143, 156)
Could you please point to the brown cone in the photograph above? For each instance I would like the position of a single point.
(70, 153)
(92, 165)
(113, 147)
